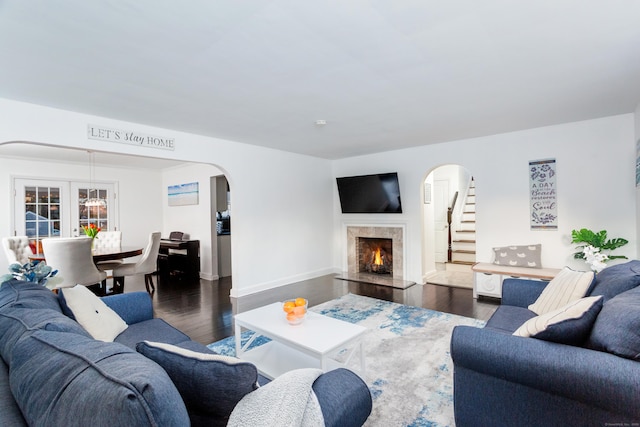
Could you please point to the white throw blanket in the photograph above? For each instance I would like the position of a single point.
(288, 401)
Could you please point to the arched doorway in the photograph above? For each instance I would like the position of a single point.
(449, 226)
(139, 177)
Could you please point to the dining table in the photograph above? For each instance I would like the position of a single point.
(103, 254)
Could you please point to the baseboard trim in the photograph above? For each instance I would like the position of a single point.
(237, 293)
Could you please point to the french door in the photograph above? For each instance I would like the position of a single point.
(52, 208)
(103, 213)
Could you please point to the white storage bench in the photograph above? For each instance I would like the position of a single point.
(487, 277)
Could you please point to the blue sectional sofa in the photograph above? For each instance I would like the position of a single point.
(53, 373)
(506, 380)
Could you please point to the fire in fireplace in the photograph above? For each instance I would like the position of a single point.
(375, 255)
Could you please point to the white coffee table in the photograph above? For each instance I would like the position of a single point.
(312, 344)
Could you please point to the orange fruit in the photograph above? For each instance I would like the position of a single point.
(288, 306)
(299, 311)
(300, 302)
(291, 317)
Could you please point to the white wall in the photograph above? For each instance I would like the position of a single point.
(282, 202)
(637, 154)
(195, 220)
(285, 206)
(140, 199)
(595, 178)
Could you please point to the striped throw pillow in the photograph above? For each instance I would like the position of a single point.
(570, 324)
(569, 285)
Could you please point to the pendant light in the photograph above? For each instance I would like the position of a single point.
(95, 200)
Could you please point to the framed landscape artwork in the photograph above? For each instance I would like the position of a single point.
(183, 194)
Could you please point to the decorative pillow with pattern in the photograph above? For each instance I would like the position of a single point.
(518, 256)
(568, 285)
(570, 324)
(92, 313)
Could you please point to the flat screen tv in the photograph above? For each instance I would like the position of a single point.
(379, 193)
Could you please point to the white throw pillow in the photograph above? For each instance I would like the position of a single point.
(92, 313)
(573, 310)
(569, 285)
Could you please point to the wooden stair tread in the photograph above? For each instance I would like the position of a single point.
(462, 262)
(465, 231)
(463, 251)
(463, 241)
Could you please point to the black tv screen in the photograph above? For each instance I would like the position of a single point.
(379, 193)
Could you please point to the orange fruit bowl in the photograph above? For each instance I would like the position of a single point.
(295, 310)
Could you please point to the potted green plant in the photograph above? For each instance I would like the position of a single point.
(591, 247)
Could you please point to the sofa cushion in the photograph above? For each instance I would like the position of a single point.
(100, 321)
(59, 378)
(570, 324)
(616, 279)
(152, 330)
(27, 295)
(210, 385)
(568, 285)
(508, 318)
(15, 322)
(617, 328)
(518, 256)
(10, 414)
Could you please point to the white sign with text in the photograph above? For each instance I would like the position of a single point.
(102, 133)
(543, 194)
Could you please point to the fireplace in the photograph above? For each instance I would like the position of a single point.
(363, 243)
(375, 255)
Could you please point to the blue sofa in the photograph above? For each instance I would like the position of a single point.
(53, 373)
(506, 380)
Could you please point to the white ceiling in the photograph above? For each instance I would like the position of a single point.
(384, 74)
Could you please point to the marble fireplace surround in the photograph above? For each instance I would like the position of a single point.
(395, 232)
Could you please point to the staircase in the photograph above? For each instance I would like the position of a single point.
(463, 243)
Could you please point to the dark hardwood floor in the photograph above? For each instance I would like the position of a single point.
(203, 309)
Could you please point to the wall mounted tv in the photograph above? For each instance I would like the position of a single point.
(379, 193)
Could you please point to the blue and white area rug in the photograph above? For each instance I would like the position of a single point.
(408, 365)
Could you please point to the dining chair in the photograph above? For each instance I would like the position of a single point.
(108, 240)
(17, 249)
(145, 265)
(71, 256)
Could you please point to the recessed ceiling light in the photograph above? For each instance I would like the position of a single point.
(321, 122)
